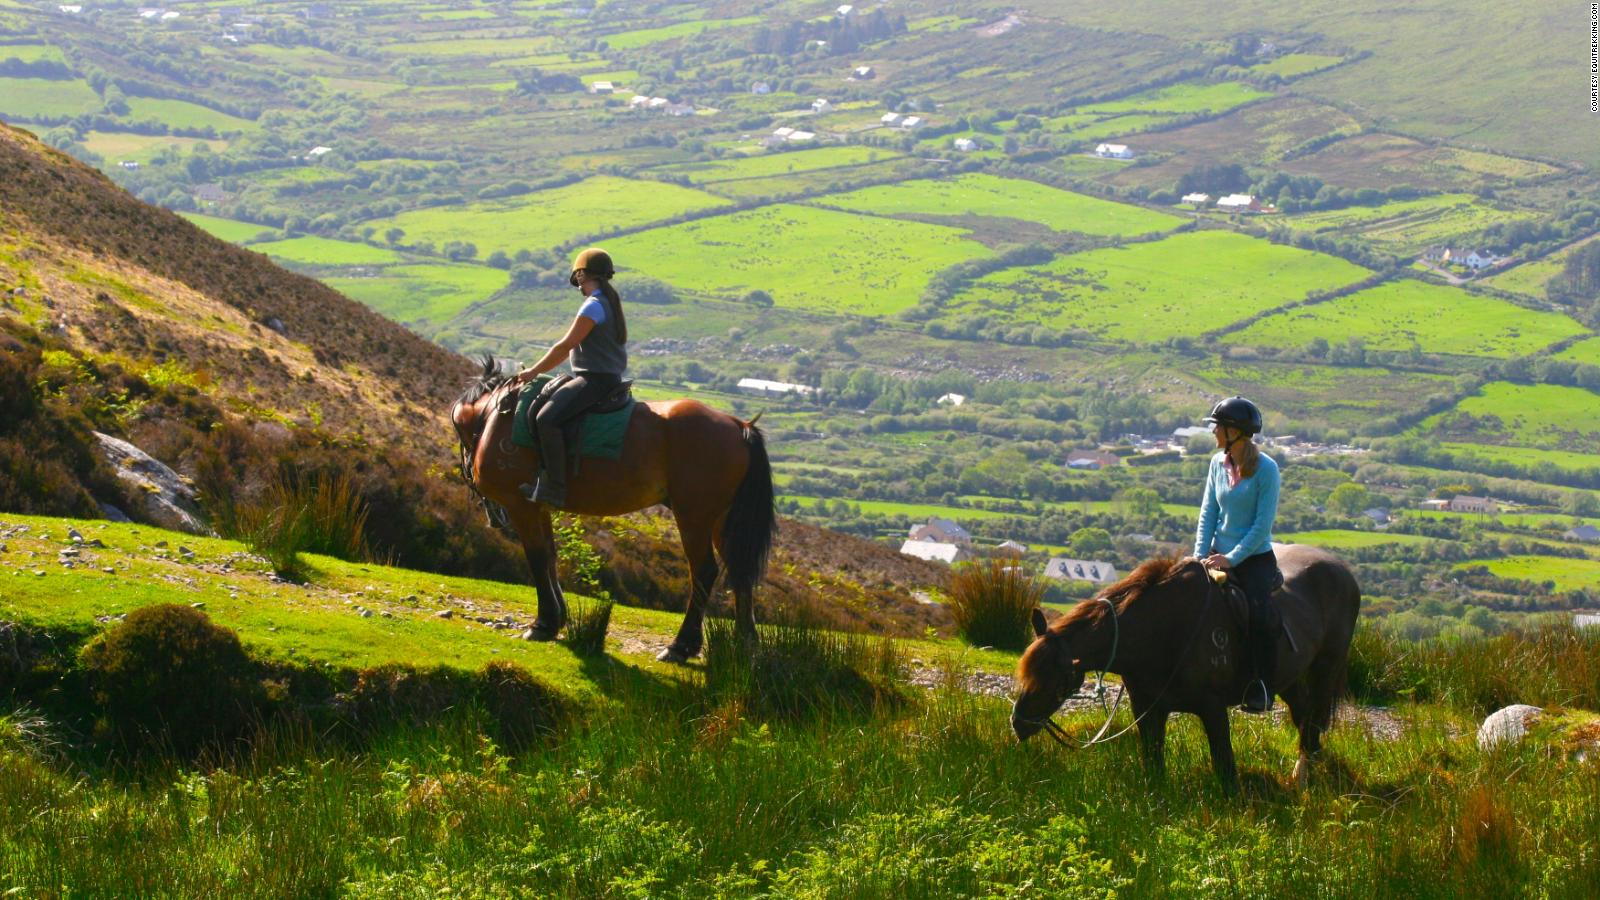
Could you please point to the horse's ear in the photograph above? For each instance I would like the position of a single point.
(1038, 622)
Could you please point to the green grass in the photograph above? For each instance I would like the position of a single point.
(183, 114)
(632, 40)
(589, 208)
(228, 229)
(911, 510)
(1570, 461)
(1586, 351)
(423, 293)
(320, 251)
(31, 53)
(35, 98)
(805, 258)
(1567, 574)
(1178, 286)
(1293, 65)
(1182, 99)
(1530, 278)
(978, 194)
(1410, 226)
(1538, 415)
(767, 164)
(116, 146)
(1397, 314)
(458, 47)
(1345, 539)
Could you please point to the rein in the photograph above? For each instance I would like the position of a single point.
(1059, 734)
(493, 512)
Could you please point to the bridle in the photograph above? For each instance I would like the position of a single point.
(1051, 727)
(495, 513)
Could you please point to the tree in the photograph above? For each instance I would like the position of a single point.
(1348, 499)
(394, 235)
(499, 260)
(1142, 502)
(1087, 543)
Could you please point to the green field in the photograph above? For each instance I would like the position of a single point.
(1397, 314)
(1538, 415)
(31, 53)
(805, 258)
(320, 251)
(1531, 277)
(1586, 351)
(423, 293)
(231, 230)
(1182, 285)
(768, 164)
(115, 146)
(1293, 65)
(632, 40)
(978, 194)
(1181, 99)
(910, 510)
(1409, 226)
(459, 47)
(1347, 539)
(41, 98)
(592, 208)
(182, 114)
(1569, 461)
(1568, 574)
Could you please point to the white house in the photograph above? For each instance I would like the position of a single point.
(1197, 199)
(820, 104)
(966, 145)
(169, 15)
(639, 101)
(128, 164)
(1481, 259)
(1113, 151)
(1080, 570)
(933, 551)
(1092, 460)
(863, 73)
(783, 132)
(941, 531)
(845, 11)
(1189, 431)
(761, 87)
(1238, 203)
(315, 152)
(774, 388)
(1466, 504)
(798, 136)
(659, 103)
(911, 123)
(890, 118)
(680, 109)
(951, 399)
(602, 87)
(73, 9)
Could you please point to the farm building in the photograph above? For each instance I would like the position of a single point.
(933, 551)
(1113, 151)
(1197, 199)
(315, 152)
(602, 87)
(1092, 460)
(820, 104)
(1583, 533)
(761, 87)
(912, 123)
(639, 101)
(941, 531)
(1434, 505)
(1080, 570)
(966, 145)
(797, 137)
(890, 118)
(1378, 515)
(211, 193)
(658, 103)
(680, 109)
(1466, 504)
(951, 399)
(845, 11)
(1239, 203)
(1012, 547)
(128, 164)
(774, 388)
(783, 132)
(863, 73)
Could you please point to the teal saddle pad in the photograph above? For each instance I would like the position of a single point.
(602, 432)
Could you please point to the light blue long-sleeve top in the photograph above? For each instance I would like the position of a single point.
(1236, 520)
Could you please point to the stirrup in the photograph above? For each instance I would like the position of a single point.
(1257, 697)
(531, 493)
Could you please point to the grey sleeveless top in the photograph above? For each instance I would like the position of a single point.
(601, 351)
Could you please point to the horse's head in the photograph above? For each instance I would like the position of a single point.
(1055, 664)
(471, 408)
(1048, 673)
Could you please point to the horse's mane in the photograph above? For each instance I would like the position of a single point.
(1150, 573)
(487, 380)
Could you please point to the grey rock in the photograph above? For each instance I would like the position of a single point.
(366, 614)
(1508, 725)
(168, 500)
(112, 514)
(198, 605)
(444, 614)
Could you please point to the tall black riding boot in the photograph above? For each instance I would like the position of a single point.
(1264, 658)
(552, 487)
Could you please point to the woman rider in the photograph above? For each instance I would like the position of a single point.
(1235, 531)
(596, 344)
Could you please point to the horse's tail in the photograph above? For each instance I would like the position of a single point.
(752, 520)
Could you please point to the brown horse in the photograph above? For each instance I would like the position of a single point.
(1170, 632)
(709, 468)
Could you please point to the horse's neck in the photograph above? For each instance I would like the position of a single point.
(1129, 637)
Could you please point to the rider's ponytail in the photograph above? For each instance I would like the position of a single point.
(615, 301)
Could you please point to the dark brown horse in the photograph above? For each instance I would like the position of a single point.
(1170, 632)
(710, 468)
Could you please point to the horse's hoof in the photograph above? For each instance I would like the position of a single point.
(540, 633)
(676, 655)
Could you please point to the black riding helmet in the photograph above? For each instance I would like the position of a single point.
(1236, 412)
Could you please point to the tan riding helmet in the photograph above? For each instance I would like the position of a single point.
(594, 263)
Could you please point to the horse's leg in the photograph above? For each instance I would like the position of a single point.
(703, 573)
(1152, 734)
(1214, 717)
(532, 523)
(1299, 698)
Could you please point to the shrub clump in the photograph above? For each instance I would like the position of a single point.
(587, 623)
(797, 670)
(167, 676)
(992, 601)
(323, 515)
(521, 707)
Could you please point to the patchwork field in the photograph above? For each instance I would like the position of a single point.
(320, 251)
(1346, 539)
(592, 207)
(1567, 574)
(31, 53)
(1400, 314)
(1293, 65)
(1337, 396)
(1182, 285)
(630, 40)
(1530, 278)
(115, 146)
(41, 98)
(1585, 351)
(978, 194)
(805, 258)
(1380, 160)
(1181, 99)
(768, 164)
(228, 229)
(1544, 416)
(1409, 226)
(427, 294)
(182, 114)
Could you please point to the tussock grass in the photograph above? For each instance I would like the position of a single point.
(799, 670)
(587, 623)
(294, 516)
(1552, 666)
(992, 601)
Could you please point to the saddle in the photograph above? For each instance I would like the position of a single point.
(596, 430)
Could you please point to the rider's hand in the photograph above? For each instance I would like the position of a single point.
(1218, 561)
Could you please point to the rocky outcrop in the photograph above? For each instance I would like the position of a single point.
(160, 496)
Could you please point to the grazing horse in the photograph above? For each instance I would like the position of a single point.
(708, 467)
(1172, 634)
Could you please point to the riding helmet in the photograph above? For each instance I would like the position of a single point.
(1236, 412)
(593, 263)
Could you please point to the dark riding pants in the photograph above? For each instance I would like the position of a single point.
(581, 392)
(1259, 576)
